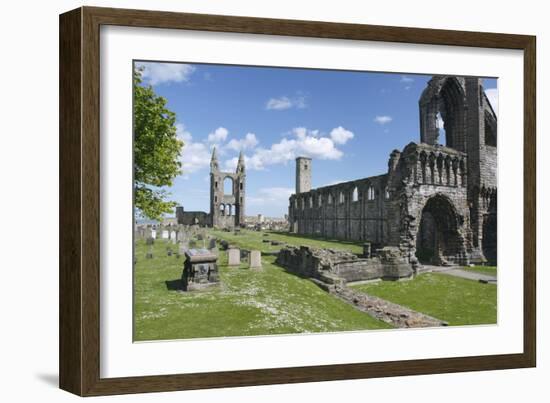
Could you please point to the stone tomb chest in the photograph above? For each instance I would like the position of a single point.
(200, 269)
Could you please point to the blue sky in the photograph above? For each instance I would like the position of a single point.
(348, 122)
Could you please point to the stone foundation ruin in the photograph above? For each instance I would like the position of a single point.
(341, 267)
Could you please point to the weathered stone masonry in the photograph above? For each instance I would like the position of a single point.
(227, 209)
(436, 203)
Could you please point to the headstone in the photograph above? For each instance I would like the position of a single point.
(173, 236)
(212, 243)
(180, 236)
(192, 244)
(165, 234)
(150, 241)
(255, 259)
(154, 233)
(199, 270)
(233, 257)
(148, 233)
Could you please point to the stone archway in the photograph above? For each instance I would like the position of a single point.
(438, 240)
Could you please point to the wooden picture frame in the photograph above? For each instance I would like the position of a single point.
(80, 199)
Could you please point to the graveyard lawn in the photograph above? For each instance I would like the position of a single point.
(246, 303)
(262, 241)
(455, 300)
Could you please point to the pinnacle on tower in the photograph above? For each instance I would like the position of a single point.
(214, 160)
(241, 161)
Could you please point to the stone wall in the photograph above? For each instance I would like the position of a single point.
(452, 184)
(199, 218)
(340, 267)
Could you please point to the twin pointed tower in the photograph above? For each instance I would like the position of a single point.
(227, 194)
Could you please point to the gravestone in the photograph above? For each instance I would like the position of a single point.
(154, 233)
(255, 259)
(199, 270)
(173, 236)
(149, 242)
(180, 236)
(165, 234)
(233, 257)
(192, 244)
(212, 243)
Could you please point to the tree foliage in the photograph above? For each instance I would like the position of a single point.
(156, 150)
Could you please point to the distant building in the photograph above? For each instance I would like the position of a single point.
(226, 209)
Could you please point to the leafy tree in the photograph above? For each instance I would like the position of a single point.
(156, 150)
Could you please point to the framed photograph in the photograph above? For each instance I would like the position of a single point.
(248, 201)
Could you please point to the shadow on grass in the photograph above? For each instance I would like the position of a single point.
(174, 285)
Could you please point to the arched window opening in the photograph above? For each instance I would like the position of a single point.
(370, 193)
(440, 124)
(341, 198)
(228, 186)
(320, 200)
(355, 195)
(329, 201)
(222, 209)
(387, 193)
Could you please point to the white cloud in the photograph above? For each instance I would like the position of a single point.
(271, 197)
(406, 79)
(284, 102)
(249, 141)
(183, 134)
(439, 122)
(307, 143)
(382, 120)
(194, 157)
(218, 136)
(158, 73)
(340, 135)
(492, 94)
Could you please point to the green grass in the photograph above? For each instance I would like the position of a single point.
(455, 300)
(489, 270)
(270, 301)
(254, 240)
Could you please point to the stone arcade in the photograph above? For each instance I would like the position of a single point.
(227, 199)
(436, 203)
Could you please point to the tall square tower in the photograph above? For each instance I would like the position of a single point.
(303, 174)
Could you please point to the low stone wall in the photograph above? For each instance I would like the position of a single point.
(397, 315)
(340, 267)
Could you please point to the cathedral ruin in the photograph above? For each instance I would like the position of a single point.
(437, 203)
(227, 198)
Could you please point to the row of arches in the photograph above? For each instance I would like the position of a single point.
(228, 210)
(355, 194)
(442, 169)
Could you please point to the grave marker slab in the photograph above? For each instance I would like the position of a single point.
(233, 257)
